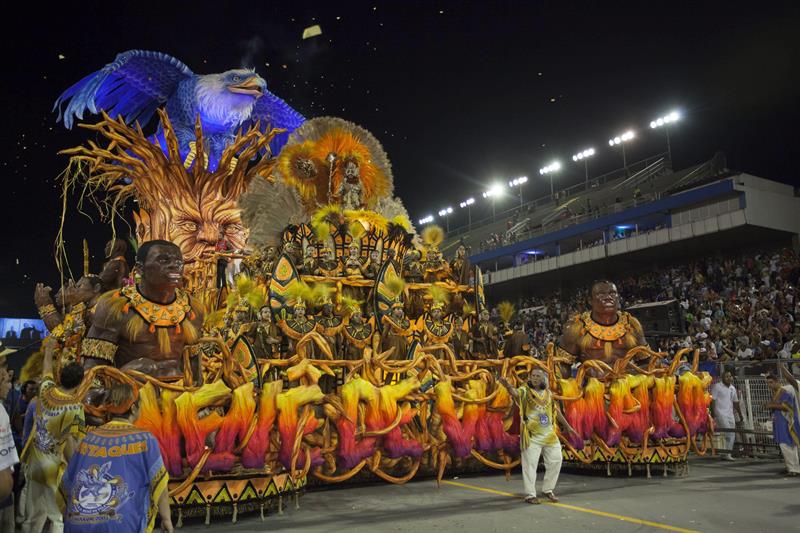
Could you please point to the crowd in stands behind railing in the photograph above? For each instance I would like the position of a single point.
(568, 215)
(738, 310)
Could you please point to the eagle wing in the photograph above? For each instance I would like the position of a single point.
(133, 86)
(271, 111)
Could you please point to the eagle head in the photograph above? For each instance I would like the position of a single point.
(227, 99)
(244, 81)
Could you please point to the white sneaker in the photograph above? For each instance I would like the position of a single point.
(728, 457)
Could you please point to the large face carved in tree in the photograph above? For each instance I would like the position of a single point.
(179, 200)
(194, 224)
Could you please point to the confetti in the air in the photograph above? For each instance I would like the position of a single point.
(312, 31)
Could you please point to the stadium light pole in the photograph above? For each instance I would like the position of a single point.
(584, 156)
(664, 122)
(492, 193)
(519, 182)
(468, 204)
(622, 140)
(549, 170)
(425, 220)
(445, 214)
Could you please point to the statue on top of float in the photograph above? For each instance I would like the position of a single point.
(138, 82)
(605, 333)
(207, 124)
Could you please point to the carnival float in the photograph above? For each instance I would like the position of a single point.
(310, 333)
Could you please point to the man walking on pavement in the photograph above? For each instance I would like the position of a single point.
(538, 434)
(725, 405)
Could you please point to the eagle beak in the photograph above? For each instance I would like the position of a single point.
(251, 86)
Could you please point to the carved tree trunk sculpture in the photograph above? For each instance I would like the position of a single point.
(179, 201)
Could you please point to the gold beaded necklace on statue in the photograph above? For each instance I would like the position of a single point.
(155, 314)
(605, 333)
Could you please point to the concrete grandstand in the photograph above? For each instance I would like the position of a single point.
(627, 220)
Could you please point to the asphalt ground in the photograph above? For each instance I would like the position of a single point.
(745, 495)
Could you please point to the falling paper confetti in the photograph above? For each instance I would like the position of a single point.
(312, 31)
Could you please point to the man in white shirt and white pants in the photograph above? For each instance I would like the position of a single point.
(725, 406)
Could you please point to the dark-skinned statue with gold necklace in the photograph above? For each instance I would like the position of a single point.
(605, 333)
(146, 326)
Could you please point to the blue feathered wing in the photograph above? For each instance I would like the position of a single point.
(273, 112)
(133, 86)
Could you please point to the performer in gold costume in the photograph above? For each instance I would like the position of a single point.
(265, 335)
(353, 264)
(436, 328)
(372, 267)
(296, 326)
(328, 265)
(484, 337)
(357, 334)
(412, 268)
(330, 326)
(309, 264)
(396, 332)
(460, 266)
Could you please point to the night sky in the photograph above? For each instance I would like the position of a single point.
(460, 93)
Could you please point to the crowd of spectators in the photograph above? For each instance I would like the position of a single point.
(735, 309)
(569, 214)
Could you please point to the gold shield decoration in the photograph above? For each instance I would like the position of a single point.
(284, 276)
(243, 352)
(383, 295)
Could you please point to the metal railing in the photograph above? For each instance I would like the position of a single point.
(591, 185)
(575, 219)
(643, 175)
(699, 173)
(756, 429)
(754, 432)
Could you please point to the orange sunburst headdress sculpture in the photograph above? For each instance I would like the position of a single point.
(329, 160)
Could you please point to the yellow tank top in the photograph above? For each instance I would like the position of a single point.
(538, 417)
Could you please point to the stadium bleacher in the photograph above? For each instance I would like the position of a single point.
(640, 183)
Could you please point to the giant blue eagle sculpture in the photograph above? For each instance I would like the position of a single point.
(138, 82)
